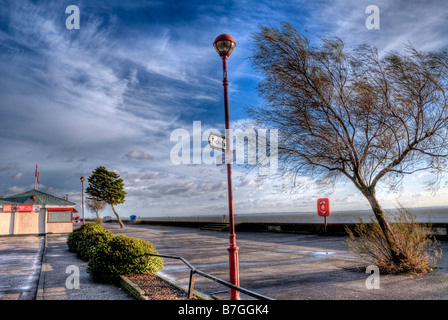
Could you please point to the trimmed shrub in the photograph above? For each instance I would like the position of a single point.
(90, 240)
(122, 255)
(75, 237)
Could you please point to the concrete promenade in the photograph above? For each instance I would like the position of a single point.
(39, 268)
(20, 266)
(58, 268)
(282, 266)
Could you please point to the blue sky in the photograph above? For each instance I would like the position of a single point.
(111, 92)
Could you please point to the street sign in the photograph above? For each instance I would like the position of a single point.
(225, 158)
(217, 141)
(323, 207)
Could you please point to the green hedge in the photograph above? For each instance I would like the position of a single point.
(88, 244)
(75, 237)
(121, 255)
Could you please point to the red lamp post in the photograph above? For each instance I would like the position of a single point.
(224, 45)
(82, 183)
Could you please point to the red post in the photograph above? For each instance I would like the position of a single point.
(82, 183)
(232, 249)
(325, 227)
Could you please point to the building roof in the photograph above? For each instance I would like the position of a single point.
(41, 198)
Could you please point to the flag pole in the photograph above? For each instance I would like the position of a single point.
(36, 175)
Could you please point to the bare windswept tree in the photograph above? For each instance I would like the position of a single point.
(95, 205)
(354, 114)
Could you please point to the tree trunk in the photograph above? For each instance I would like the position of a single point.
(118, 217)
(395, 252)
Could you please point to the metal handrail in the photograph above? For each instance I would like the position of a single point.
(193, 271)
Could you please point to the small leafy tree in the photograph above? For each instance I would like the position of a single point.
(107, 186)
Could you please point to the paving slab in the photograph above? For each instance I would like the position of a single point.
(20, 263)
(64, 276)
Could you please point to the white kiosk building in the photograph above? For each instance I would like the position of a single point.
(35, 212)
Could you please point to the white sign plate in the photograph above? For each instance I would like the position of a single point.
(217, 141)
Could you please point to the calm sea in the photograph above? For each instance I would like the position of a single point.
(426, 214)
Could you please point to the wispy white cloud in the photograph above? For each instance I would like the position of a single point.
(401, 22)
(138, 155)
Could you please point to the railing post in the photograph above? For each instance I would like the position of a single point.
(191, 285)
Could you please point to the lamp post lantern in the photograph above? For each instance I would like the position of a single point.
(82, 183)
(224, 45)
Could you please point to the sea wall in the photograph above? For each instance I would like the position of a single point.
(439, 230)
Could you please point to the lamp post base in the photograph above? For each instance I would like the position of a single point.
(234, 270)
